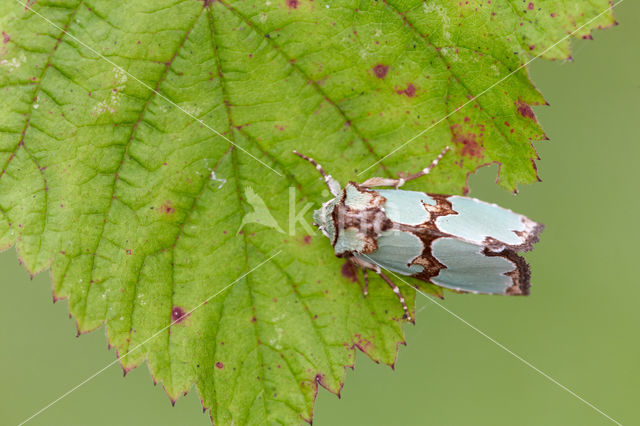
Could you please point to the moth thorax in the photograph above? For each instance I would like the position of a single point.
(371, 221)
(358, 230)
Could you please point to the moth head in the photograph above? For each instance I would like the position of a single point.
(323, 219)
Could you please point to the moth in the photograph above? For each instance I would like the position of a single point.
(455, 242)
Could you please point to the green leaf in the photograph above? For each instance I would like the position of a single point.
(109, 184)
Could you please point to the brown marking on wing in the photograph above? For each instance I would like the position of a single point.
(530, 238)
(443, 207)
(520, 276)
(431, 265)
(428, 232)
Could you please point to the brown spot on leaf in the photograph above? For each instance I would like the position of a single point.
(381, 70)
(293, 4)
(365, 345)
(410, 91)
(531, 6)
(469, 146)
(307, 239)
(167, 208)
(178, 315)
(219, 365)
(6, 38)
(349, 271)
(525, 110)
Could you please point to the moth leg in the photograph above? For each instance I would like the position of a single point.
(378, 181)
(332, 184)
(365, 275)
(364, 267)
(397, 183)
(396, 290)
(364, 264)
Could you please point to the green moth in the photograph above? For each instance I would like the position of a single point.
(455, 242)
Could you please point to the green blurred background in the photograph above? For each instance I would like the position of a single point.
(580, 325)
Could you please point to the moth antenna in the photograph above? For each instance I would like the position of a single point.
(430, 167)
(332, 184)
(397, 183)
(315, 163)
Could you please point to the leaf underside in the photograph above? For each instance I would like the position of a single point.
(108, 184)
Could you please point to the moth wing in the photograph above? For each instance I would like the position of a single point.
(396, 251)
(488, 225)
(455, 242)
(474, 268)
(451, 263)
